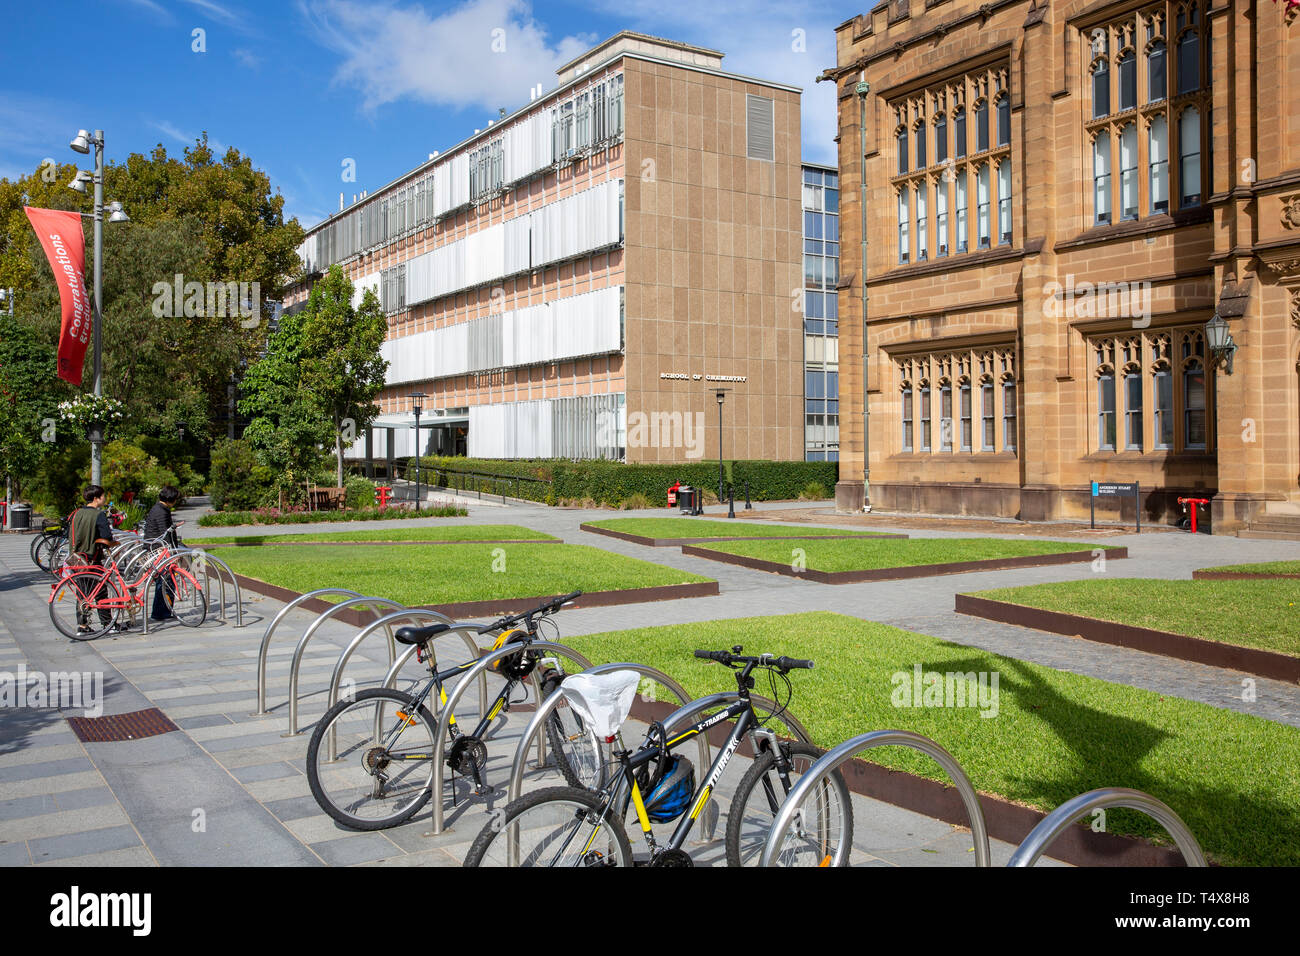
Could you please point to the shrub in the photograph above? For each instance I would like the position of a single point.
(360, 492)
(126, 467)
(814, 491)
(223, 519)
(634, 502)
(238, 480)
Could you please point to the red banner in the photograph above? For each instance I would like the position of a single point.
(65, 246)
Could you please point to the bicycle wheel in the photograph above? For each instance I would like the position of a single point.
(73, 605)
(185, 597)
(60, 552)
(822, 833)
(576, 749)
(43, 549)
(558, 826)
(378, 779)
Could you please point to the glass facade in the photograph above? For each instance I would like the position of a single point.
(821, 256)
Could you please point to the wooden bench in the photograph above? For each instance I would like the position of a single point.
(327, 499)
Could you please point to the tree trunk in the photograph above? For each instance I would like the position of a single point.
(338, 448)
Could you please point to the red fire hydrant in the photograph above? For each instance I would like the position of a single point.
(1195, 504)
(383, 493)
(672, 494)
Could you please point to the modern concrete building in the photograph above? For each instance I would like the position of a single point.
(821, 251)
(578, 278)
(1053, 202)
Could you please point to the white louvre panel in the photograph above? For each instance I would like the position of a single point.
(528, 146)
(585, 426)
(759, 128)
(451, 184)
(578, 223)
(586, 324)
(484, 257)
(518, 244)
(369, 281)
(307, 253)
(437, 353)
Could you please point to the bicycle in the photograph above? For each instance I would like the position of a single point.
(85, 588)
(566, 826)
(374, 782)
(46, 543)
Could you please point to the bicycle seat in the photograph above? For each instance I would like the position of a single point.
(418, 635)
(603, 701)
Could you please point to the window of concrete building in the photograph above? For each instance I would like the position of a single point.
(1127, 80)
(981, 126)
(1101, 177)
(1004, 202)
(945, 417)
(965, 416)
(925, 416)
(760, 128)
(959, 133)
(1128, 177)
(902, 150)
(1158, 166)
(1004, 120)
(1189, 51)
(1133, 411)
(907, 417)
(904, 225)
(921, 224)
(941, 139)
(982, 204)
(941, 217)
(987, 413)
(1157, 78)
(1189, 157)
(1163, 388)
(1194, 406)
(962, 241)
(1100, 89)
(1009, 416)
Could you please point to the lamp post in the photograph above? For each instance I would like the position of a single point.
(722, 396)
(416, 408)
(1219, 339)
(7, 295)
(81, 143)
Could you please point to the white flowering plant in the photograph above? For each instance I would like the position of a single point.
(87, 409)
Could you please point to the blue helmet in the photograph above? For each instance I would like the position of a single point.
(671, 795)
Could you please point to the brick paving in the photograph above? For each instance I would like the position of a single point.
(229, 788)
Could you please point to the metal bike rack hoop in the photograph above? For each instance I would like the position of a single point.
(207, 558)
(172, 560)
(545, 708)
(879, 738)
(370, 603)
(266, 640)
(1059, 820)
(486, 661)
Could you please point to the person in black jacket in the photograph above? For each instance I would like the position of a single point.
(159, 531)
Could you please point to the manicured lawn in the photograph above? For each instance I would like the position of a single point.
(1234, 779)
(699, 528)
(480, 532)
(1264, 567)
(893, 552)
(1263, 614)
(451, 573)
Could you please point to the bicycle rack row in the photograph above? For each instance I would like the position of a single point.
(1030, 849)
(210, 566)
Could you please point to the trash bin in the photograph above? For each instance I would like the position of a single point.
(20, 519)
(688, 498)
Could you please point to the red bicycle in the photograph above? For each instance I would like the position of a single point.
(88, 600)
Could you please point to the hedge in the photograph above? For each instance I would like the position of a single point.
(610, 482)
(225, 519)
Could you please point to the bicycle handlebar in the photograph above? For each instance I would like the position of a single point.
(545, 608)
(762, 660)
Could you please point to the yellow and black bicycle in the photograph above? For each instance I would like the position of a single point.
(568, 826)
(369, 762)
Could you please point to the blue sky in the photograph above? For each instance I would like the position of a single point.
(302, 86)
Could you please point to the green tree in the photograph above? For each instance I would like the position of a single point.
(342, 367)
(29, 394)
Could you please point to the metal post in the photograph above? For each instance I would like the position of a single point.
(417, 457)
(97, 428)
(731, 501)
(1137, 504)
(1060, 820)
(748, 506)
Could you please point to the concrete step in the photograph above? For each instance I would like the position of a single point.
(1282, 508)
(1274, 535)
(1275, 523)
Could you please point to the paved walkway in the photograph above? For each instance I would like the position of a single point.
(229, 788)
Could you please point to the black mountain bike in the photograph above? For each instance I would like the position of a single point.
(565, 826)
(381, 773)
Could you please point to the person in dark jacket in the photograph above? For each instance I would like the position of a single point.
(159, 531)
(92, 535)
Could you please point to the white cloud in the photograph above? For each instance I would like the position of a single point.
(33, 128)
(758, 39)
(181, 136)
(248, 58)
(219, 13)
(392, 52)
(153, 8)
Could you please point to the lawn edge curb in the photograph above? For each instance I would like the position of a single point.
(199, 543)
(1004, 820)
(1239, 576)
(1249, 660)
(675, 542)
(898, 574)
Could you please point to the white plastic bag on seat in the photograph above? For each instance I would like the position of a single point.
(603, 701)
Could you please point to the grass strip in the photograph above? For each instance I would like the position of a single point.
(479, 532)
(697, 528)
(1233, 778)
(1263, 567)
(452, 573)
(1264, 614)
(871, 554)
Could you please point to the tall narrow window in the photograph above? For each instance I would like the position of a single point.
(1128, 82)
(920, 146)
(982, 200)
(965, 417)
(1004, 202)
(962, 243)
(959, 133)
(1189, 158)
(1128, 173)
(1004, 120)
(907, 419)
(1164, 396)
(1133, 411)
(904, 223)
(941, 140)
(902, 150)
(941, 218)
(981, 126)
(986, 415)
(1101, 177)
(925, 418)
(1189, 62)
(1157, 77)
(1009, 416)
(1158, 156)
(1194, 432)
(1100, 90)
(945, 418)
(921, 226)
(1106, 412)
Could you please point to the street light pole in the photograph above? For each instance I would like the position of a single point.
(722, 394)
(417, 396)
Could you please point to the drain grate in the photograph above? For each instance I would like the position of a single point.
(132, 726)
